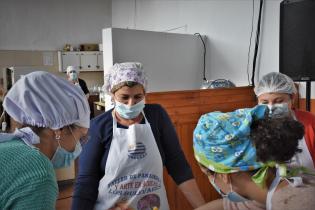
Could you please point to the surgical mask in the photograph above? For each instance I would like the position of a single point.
(278, 110)
(73, 76)
(232, 196)
(63, 158)
(129, 112)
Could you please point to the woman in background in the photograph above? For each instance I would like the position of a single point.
(244, 157)
(122, 164)
(52, 115)
(277, 90)
(73, 77)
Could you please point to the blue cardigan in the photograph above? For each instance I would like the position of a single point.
(93, 159)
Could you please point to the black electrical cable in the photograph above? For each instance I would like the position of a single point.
(204, 56)
(250, 43)
(257, 42)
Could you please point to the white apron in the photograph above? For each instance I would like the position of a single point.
(294, 182)
(303, 158)
(134, 171)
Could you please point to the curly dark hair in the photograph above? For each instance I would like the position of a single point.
(276, 139)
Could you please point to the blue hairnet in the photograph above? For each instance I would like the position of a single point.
(42, 99)
(275, 82)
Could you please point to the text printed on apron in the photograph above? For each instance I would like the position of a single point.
(134, 171)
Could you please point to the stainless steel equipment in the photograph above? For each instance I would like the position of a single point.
(218, 83)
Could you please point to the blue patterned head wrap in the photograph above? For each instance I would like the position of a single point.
(221, 140)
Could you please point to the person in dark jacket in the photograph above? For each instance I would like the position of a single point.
(73, 76)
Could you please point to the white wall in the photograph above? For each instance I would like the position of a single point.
(50, 24)
(226, 23)
(171, 61)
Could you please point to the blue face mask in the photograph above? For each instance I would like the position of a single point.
(232, 196)
(73, 76)
(129, 112)
(62, 158)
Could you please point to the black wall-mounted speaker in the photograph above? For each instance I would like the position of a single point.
(297, 39)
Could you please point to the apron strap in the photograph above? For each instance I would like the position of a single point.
(293, 181)
(145, 118)
(114, 119)
(272, 189)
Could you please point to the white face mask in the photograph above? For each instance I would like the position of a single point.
(129, 112)
(277, 110)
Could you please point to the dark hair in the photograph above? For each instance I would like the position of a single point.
(276, 139)
(122, 84)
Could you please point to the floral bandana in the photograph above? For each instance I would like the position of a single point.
(123, 72)
(221, 143)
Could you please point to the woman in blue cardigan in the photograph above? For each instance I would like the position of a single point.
(121, 166)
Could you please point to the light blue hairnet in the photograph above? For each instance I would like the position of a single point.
(42, 99)
(275, 82)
